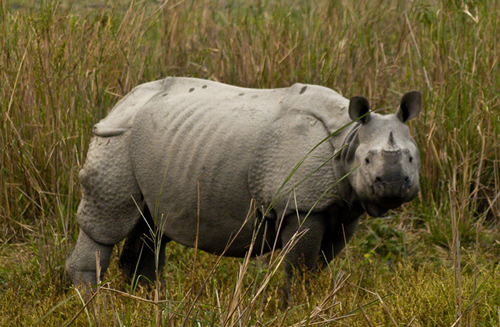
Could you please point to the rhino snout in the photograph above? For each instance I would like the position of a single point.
(391, 189)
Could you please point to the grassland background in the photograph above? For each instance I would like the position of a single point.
(435, 262)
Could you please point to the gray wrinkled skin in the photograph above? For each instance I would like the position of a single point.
(191, 155)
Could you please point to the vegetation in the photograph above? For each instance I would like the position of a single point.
(435, 262)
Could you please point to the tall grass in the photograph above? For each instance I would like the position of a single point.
(64, 64)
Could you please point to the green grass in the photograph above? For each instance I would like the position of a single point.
(64, 64)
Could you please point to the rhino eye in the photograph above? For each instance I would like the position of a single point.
(367, 161)
(411, 159)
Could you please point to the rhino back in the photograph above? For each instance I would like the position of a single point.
(191, 148)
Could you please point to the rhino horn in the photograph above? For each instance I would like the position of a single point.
(391, 148)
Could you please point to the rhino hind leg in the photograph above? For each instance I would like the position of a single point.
(108, 210)
(143, 254)
(82, 264)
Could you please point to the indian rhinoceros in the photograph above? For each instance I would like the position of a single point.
(194, 157)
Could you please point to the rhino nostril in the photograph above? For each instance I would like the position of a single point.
(378, 180)
(406, 184)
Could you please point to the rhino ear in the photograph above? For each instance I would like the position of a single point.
(359, 109)
(411, 103)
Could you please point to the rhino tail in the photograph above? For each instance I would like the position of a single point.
(102, 131)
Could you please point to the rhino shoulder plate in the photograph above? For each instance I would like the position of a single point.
(321, 102)
(293, 161)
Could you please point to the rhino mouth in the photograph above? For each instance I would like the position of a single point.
(379, 201)
(384, 198)
(379, 208)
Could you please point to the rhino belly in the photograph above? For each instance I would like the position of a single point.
(191, 162)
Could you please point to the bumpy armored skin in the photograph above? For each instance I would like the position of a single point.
(207, 163)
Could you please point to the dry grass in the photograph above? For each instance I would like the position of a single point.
(64, 64)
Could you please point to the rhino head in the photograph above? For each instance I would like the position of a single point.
(382, 155)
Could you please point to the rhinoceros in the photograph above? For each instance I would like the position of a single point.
(220, 167)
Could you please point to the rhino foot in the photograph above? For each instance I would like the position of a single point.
(82, 265)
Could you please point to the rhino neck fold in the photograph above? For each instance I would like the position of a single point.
(349, 145)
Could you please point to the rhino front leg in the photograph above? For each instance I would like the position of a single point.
(82, 263)
(303, 256)
(334, 241)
